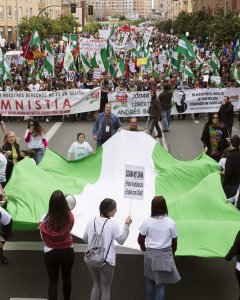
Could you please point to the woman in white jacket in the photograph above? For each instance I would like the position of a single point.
(102, 277)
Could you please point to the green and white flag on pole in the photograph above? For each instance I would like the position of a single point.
(65, 38)
(183, 184)
(35, 40)
(121, 67)
(236, 74)
(48, 58)
(5, 71)
(155, 72)
(86, 64)
(104, 60)
(68, 58)
(73, 42)
(185, 48)
(175, 60)
(187, 72)
(237, 47)
(214, 62)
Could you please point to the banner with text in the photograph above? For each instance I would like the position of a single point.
(203, 100)
(134, 182)
(49, 103)
(126, 104)
(91, 46)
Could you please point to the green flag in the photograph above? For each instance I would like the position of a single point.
(236, 74)
(206, 224)
(48, 58)
(214, 62)
(155, 72)
(104, 59)
(85, 63)
(185, 48)
(93, 62)
(35, 40)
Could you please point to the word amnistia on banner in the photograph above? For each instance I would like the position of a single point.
(49, 103)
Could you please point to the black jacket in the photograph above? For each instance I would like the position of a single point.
(232, 168)
(226, 113)
(165, 98)
(235, 249)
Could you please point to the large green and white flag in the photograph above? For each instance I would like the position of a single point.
(65, 38)
(86, 64)
(185, 48)
(48, 58)
(214, 62)
(73, 42)
(68, 58)
(132, 178)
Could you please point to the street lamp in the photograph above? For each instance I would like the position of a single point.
(72, 5)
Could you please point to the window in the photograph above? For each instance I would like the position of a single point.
(26, 11)
(1, 13)
(20, 12)
(30, 12)
(9, 12)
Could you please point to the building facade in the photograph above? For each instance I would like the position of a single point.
(211, 6)
(11, 11)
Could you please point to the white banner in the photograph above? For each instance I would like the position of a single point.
(126, 104)
(91, 46)
(104, 33)
(49, 103)
(203, 100)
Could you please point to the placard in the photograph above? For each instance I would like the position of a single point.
(134, 182)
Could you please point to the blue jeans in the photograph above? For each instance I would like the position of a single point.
(166, 118)
(154, 291)
(39, 155)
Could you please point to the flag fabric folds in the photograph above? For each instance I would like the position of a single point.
(207, 225)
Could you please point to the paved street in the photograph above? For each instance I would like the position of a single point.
(202, 279)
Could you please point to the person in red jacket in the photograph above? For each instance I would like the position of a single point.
(55, 229)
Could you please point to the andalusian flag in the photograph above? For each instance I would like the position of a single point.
(175, 60)
(5, 71)
(236, 74)
(68, 58)
(35, 40)
(104, 59)
(237, 47)
(185, 48)
(207, 225)
(48, 58)
(214, 62)
(121, 67)
(187, 72)
(155, 72)
(85, 64)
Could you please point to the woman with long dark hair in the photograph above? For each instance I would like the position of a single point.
(102, 277)
(215, 137)
(158, 239)
(35, 139)
(55, 230)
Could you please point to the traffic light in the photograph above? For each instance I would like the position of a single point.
(90, 10)
(73, 8)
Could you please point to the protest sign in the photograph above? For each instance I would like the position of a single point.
(97, 73)
(104, 33)
(46, 103)
(90, 46)
(134, 182)
(141, 61)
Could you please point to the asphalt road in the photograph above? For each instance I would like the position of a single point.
(202, 279)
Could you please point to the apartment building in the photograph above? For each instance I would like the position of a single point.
(143, 8)
(211, 6)
(103, 8)
(11, 11)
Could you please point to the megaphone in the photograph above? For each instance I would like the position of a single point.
(71, 201)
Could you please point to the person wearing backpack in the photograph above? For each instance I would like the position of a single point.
(105, 230)
(55, 229)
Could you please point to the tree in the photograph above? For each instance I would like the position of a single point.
(46, 26)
